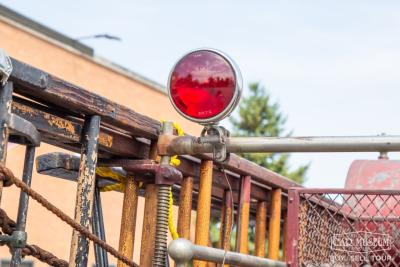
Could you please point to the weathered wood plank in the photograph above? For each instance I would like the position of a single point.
(57, 129)
(48, 88)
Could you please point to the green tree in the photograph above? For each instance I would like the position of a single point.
(259, 116)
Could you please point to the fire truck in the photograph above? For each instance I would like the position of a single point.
(121, 150)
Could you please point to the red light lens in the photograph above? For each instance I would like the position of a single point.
(203, 84)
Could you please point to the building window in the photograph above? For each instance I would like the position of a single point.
(7, 263)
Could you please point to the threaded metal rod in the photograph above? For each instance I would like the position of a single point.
(160, 251)
(160, 248)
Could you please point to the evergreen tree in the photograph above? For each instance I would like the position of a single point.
(259, 116)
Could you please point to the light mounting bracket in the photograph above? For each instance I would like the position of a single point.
(217, 137)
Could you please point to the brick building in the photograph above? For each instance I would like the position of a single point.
(42, 47)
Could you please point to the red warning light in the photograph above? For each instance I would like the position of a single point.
(205, 86)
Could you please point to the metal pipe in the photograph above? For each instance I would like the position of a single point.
(315, 144)
(5, 110)
(128, 220)
(182, 251)
(203, 207)
(185, 207)
(261, 227)
(149, 217)
(275, 224)
(98, 229)
(149, 226)
(85, 190)
(189, 145)
(243, 215)
(23, 202)
(226, 221)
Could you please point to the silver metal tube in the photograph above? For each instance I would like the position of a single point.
(182, 251)
(188, 145)
(315, 144)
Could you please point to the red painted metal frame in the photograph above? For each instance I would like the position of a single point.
(293, 227)
(293, 213)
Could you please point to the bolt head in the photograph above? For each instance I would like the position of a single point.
(180, 250)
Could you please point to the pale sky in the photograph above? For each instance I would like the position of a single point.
(332, 65)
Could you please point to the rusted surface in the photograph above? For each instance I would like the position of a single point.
(52, 91)
(243, 215)
(203, 207)
(151, 170)
(149, 217)
(48, 88)
(185, 207)
(149, 226)
(164, 141)
(352, 227)
(285, 235)
(292, 228)
(261, 228)
(66, 131)
(85, 191)
(275, 224)
(226, 222)
(190, 167)
(63, 105)
(128, 220)
(122, 145)
(5, 108)
(374, 174)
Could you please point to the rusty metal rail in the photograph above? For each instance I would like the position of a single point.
(306, 227)
(108, 134)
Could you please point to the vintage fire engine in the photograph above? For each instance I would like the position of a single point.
(125, 151)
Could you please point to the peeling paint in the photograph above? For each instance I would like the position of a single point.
(105, 140)
(85, 191)
(24, 109)
(60, 123)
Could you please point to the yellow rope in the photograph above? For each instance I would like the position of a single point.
(109, 173)
(171, 225)
(174, 161)
(113, 187)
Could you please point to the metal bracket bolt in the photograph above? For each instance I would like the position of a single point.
(217, 137)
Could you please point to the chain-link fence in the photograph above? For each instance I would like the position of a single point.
(343, 228)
